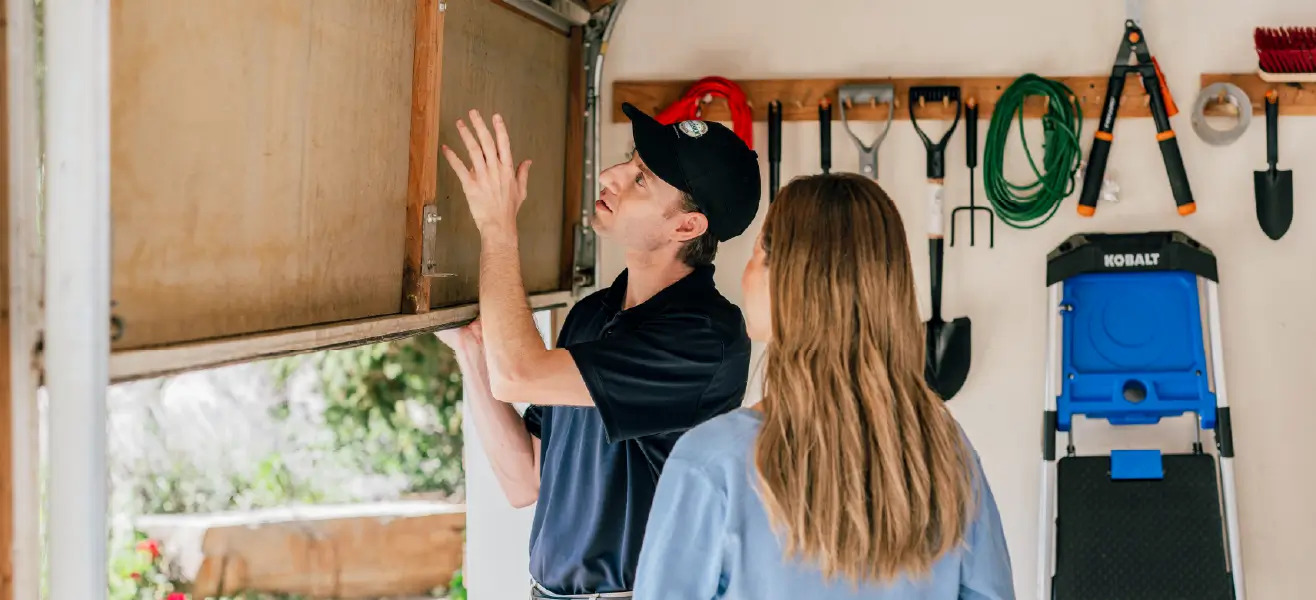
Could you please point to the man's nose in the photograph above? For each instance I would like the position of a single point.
(610, 177)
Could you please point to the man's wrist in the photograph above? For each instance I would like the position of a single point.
(499, 234)
(470, 357)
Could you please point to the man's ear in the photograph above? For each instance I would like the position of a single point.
(690, 226)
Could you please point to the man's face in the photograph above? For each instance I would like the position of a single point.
(640, 211)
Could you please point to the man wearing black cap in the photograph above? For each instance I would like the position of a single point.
(636, 364)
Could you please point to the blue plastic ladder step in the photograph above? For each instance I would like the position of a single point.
(1136, 464)
(1133, 351)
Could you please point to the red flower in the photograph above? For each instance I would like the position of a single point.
(136, 575)
(151, 547)
(176, 596)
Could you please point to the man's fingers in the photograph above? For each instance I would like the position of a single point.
(463, 175)
(451, 338)
(478, 163)
(504, 143)
(486, 141)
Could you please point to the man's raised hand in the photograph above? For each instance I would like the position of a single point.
(494, 189)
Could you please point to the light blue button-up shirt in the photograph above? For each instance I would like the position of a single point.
(708, 535)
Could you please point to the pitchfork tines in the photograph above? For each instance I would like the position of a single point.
(991, 223)
(971, 160)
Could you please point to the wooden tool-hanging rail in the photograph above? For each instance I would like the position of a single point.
(800, 97)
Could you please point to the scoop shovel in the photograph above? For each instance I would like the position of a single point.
(1274, 188)
(948, 344)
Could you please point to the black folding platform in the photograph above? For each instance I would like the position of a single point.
(1140, 539)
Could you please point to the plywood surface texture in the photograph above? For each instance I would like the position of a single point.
(259, 163)
(496, 59)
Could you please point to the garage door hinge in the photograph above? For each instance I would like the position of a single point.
(429, 243)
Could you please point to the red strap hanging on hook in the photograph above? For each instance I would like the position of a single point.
(691, 102)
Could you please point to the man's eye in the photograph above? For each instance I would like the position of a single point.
(639, 179)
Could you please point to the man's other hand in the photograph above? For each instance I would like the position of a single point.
(467, 339)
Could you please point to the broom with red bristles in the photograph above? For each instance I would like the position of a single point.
(1286, 53)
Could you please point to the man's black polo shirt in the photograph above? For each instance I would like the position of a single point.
(654, 371)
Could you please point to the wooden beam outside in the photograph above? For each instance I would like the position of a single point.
(423, 156)
(366, 550)
(575, 153)
(129, 365)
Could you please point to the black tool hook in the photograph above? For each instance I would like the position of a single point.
(774, 148)
(937, 151)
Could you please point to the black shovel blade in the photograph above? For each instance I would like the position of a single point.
(1274, 191)
(948, 354)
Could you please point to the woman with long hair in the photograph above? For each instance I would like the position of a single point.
(850, 479)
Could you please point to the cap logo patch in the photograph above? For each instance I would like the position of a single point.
(693, 128)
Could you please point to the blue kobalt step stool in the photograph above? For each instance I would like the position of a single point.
(1135, 344)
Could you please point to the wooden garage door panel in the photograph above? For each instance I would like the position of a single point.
(259, 163)
(496, 59)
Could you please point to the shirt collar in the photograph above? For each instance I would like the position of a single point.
(694, 285)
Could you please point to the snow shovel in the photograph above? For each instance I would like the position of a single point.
(948, 344)
(1274, 189)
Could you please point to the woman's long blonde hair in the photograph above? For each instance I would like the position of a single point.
(862, 469)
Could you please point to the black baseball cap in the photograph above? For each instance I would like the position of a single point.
(706, 160)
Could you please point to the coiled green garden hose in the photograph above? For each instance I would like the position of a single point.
(1030, 205)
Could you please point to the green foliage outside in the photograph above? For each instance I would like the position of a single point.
(398, 403)
(388, 409)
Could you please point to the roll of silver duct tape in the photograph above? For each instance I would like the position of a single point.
(1234, 95)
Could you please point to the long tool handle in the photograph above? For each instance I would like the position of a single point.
(1272, 129)
(1169, 143)
(774, 147)
(936, 202)
(825, 134)
(971, 132)
(935, 250)
(1096, 169)
(1183, 194)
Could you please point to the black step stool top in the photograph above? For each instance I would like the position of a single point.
(1140, 539)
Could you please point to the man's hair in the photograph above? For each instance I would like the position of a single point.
(702, 250)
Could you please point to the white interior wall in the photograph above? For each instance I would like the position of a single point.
(497, 535)
(1266, 286)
